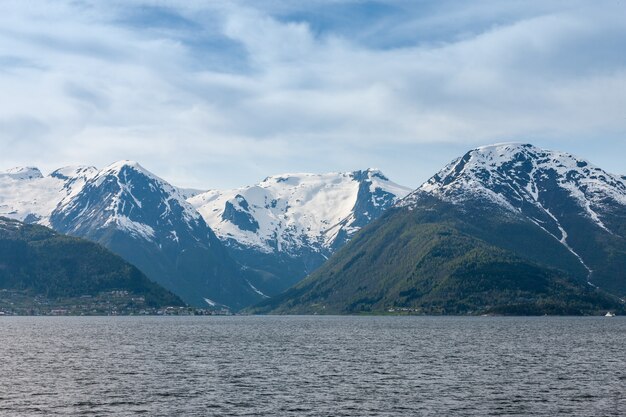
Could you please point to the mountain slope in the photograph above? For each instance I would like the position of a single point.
(287, 225)
(576, 203)
(506, 228)
(40, 262)
(146, 221)
(420, 260)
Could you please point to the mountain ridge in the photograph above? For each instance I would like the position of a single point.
(557, 217)
(557, 191)
(146, 220)
(287, 225)
(140, 216)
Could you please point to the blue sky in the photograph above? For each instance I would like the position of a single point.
(218, 94)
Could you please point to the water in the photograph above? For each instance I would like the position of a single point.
(317, 366)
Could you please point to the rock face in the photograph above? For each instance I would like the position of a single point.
(505, 228)
(288, 225)
(148, 222)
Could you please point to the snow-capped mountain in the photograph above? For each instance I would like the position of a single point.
(279, 230)
(510, 174)
(148, 222)
(26, 195)
(126, 197)
(507, 229)
(576, 203)
(22, 173)
(283, 213)
(287, 225)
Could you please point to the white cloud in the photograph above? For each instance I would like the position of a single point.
(229, 93)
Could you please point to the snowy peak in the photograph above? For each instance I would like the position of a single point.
(369, 174)
(125, 196)
(134, 183)
(22, 173)
(567, 197)
(138, 216)
(117, 168)
(26, 195)
(509, 174)
(548, 195)
(74, 172)
(376, 193)
(285, 213)
(518, 162)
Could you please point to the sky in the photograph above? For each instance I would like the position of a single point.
(221, 94)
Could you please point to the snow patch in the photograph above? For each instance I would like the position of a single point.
(482, 170)
(292, 210)
(26, 195)
(22, 173)
(134, 228)
(256, 290)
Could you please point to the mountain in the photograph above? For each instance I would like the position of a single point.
(279, 230)
(506, 228)
(579, 205)
(136, 215)
(26, 195)
(288, 225)
(38, 262)
(147, 221)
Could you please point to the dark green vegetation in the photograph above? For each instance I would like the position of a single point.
(38, 262)
(439, 259)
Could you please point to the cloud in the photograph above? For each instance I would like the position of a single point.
(224, 93)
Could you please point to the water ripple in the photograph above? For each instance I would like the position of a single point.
(312, 366)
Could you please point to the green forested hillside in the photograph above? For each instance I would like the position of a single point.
(428, 260)
(37, 261)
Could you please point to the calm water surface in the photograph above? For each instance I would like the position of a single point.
(317, 366)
